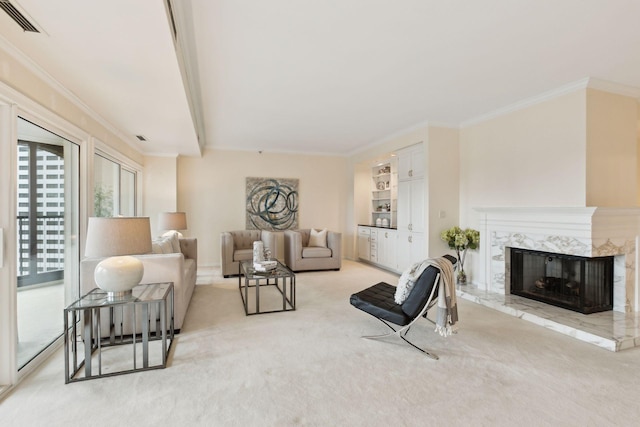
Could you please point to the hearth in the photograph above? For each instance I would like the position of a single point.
(576, 283)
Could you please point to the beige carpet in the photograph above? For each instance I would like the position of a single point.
(310, 367)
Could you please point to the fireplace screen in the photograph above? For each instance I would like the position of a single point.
(576, 283)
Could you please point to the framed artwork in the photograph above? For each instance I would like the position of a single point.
(272, 204)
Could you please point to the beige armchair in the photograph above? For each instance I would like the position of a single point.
(299, 256)
(236, 246)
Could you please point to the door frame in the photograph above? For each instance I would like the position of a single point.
(14, 104)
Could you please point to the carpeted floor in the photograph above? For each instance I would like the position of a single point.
(310, 367)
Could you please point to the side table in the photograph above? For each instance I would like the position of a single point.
(129, 323)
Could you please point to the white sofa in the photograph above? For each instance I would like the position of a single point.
(175, 263)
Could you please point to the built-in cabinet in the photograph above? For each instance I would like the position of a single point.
(384, 194)
(398, 195)
(410, 211)
(378, 246)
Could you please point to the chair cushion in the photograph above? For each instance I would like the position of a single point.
(420, 292)
(314, 252)
(377, 300)
(242, 254)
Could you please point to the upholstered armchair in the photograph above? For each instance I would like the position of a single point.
(299, 255)
(236, 246)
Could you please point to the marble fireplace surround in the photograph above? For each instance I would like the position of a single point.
(586, 232)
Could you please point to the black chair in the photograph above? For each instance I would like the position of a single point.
(378, 301)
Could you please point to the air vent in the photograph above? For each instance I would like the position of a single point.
(17, 16)
(141, 138)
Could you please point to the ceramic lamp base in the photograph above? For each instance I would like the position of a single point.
(118, 276)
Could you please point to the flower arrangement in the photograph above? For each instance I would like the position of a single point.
(461, 240)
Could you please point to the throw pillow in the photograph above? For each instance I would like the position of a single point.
(165, 245)
(175, 242)
(155, 247)
(318, 238)
(403, 289)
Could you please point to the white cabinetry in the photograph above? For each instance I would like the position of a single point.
(411, 163)
(364, 243)
(387, 248)
(378, 245)
(410, 213)
(411, 205)
(383, 194)
(374, 245)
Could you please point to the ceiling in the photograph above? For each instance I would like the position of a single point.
(322, 77)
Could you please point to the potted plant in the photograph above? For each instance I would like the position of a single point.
(461, 240)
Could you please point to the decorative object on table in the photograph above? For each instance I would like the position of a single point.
(118, 238)
(258, 252)
(385, 222)
(379, 222)
(460, 240)
(265, 266)
(172, 222)
(272, 204)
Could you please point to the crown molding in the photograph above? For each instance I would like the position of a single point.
(528, 102)
(612, 87)
(48, 79)
(585, 83)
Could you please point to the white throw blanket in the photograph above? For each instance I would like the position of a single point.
(447, 307)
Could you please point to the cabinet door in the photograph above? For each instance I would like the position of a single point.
(404, 165)
(410, 249)
(417, 247)
(364, 244)
(417, 205)
(387, 246)
(403, 251)
(404, 205)
(417, 164)
(411, 163)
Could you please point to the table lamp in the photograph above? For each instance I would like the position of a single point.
(117, 238)
(173, 222)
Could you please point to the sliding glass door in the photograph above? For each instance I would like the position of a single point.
(47, 230)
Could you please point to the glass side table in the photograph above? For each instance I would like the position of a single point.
(99, 331)
(280, 278)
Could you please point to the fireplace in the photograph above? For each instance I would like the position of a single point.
(573, 282)
(589, 232)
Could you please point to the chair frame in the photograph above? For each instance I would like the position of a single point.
(402, 332)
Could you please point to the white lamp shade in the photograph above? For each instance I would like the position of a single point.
(118, 236)
(173, 221)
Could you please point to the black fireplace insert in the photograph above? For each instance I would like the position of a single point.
(576, 283)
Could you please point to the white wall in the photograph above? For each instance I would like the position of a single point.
(442, 176)
(160, 189)
(212, 191)
(611, 150)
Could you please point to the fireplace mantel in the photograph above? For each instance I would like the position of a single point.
(581, 231)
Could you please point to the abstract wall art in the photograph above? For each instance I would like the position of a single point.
(272, 204)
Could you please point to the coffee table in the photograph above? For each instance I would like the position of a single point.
(279, 278)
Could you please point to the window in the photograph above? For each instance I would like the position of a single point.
(114, 191)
